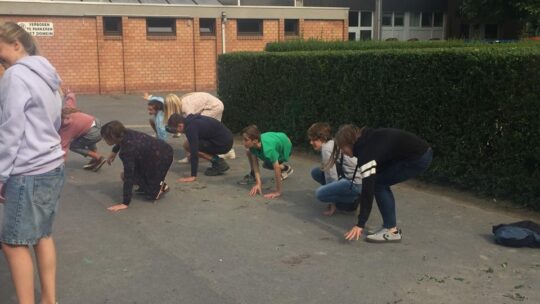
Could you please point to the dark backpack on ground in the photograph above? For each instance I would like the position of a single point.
(519, 234)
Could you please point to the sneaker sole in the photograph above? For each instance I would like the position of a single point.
(382, 241)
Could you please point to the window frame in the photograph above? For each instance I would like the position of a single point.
(259, 33)
(422, 19)
(152, 33)
(212, 27)
(118, 21)
(296, 26)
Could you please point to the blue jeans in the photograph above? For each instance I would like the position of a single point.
(395, 174)
(336, 192)
(30, 206)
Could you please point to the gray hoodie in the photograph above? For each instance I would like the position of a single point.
(30, 106)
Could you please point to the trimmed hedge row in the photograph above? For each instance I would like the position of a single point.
(318, 45)
(478, 107)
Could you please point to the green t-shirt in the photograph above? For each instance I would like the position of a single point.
(276, 146)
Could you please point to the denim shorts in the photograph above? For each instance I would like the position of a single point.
(30, 206)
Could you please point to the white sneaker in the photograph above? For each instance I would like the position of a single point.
(229, 155)
(184, 160)
(384, 235)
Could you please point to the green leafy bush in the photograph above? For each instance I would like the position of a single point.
(478, 107)
(318, 45)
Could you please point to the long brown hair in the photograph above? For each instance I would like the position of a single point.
(11, 32)
(346, 135)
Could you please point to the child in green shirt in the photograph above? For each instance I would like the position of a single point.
(274, 149)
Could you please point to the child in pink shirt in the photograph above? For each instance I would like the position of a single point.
(81, 132)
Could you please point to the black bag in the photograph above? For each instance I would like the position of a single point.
(519, 234)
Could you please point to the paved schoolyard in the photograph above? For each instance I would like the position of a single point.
(209, 242)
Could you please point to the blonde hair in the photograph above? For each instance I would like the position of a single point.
(345, 136)
(173, 104)
(11, 32)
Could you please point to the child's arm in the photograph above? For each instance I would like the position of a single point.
(254, 163)
(160, 126)
(277, 178)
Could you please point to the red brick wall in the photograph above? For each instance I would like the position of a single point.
(90, 62)
(323, 29)
(235, 43)
(111, 61)
(205, 59)
(72, 50)
(158, 63)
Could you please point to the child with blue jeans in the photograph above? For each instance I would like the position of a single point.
(385, 157)
(336, 188)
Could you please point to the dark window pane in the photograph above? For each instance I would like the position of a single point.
(414, 20)
(438, 19)
(387, 19)
(291, 27)
(398, 19)
(365, 19)
(352, 36)
(207, 27)
(426, 19)
(491, 31)
(112, 26)
(161, 26)
(365, 35)
(353, 18)
(249, 27)
(464, 31)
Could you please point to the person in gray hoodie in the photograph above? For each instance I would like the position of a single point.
(31, 162)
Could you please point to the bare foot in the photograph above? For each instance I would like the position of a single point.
(330, 210)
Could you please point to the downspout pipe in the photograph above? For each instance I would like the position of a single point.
(223, 21)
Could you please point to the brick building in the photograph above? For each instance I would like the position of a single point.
(127, 46)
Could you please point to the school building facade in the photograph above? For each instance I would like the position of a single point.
(160, 45)
(124, 46)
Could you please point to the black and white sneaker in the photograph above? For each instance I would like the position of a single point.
(287, 172)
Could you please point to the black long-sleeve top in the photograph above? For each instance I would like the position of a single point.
(198, 127)
(378, 149)
(138, 152)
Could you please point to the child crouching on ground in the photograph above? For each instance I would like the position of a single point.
(336, 188)
(81, 132)
(157, 120)
(274, 149)
(146, 161)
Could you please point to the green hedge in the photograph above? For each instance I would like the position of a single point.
(478, 107)
(318, 45)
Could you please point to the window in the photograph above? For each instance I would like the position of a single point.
(464, 31)
(352, 36)
(207, 27)
(427, 19)
(365, 35)
(353, 18)
(387, 19)
(398, 19)
(112, 26)
(365, 19)
(161, 26)
(249, 27)
(438, 19)
(490, 31)
(414, 21)
(291, 27)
